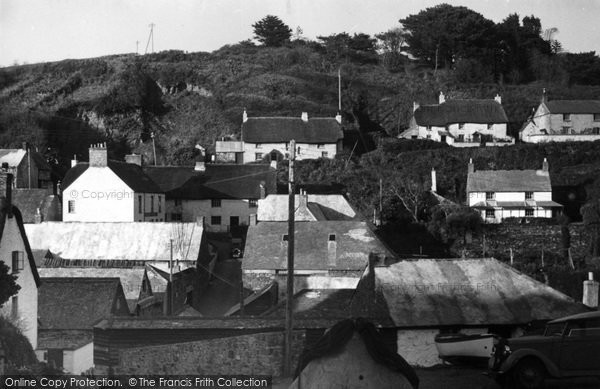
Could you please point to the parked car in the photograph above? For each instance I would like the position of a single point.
(569, 347)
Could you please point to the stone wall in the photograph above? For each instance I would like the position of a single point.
(256, 354)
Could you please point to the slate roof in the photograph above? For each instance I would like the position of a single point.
(460, 111)
(64, 339)
(29, 200)
(131, 174)
(218, 181)
(11, 156)
(284, 129)
(574, 106)
(320, 207)
(443, 292)
(131, 279)
(354, 241)
(136, 241)
(317, 303)
(508, 181)
(76, 303)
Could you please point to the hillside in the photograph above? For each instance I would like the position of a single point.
(185, 99)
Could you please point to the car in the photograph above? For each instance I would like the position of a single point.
(569, 347)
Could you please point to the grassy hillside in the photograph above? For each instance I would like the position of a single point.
(186, 99)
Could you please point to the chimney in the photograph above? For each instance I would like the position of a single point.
(135, 159)
(274, 164)
(200, 166)
(471, 168)
(303, 200)
(304, 116)
(37, 218)
(338, 118)
(74, 161)
(433, 181)
(200, 221)
(263, 190)
(590, 291)
(252, 219)
(244, 116)
(498, 99)
(25, 146)
(415, 106)
(6, 183)
(442, 98)
(331, 250)
(98, 155)
(544, 96)
(545, 165)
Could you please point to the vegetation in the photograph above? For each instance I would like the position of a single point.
(271, 31)
(8, 284)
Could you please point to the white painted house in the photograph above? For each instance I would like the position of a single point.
(461, 122)
(498, 194)
(563, 121)
(15, 252)
(225, 195)
(109, 191)
(268, 138)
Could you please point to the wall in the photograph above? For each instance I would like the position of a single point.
(27, 296)
(541, 138)
(306, 150)
(250, 354)
(22, 177)
(418, 347)
(79, 360)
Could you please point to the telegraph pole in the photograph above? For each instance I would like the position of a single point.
(153, 147)
(290, 264)
(137, 47)
(171, 280)
(150, 37)
(340, 89)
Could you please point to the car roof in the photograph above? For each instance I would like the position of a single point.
(579, 316)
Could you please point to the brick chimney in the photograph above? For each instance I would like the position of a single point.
(331, 250)
(244, 116)
(200, 221)
(338, 118)
(74, 161)
(441, 98)
(135, 159)
(498, 99)
(545, 165)
(433, 181)
(38, 218)
(98, 155)
(263, 190)
(415, 106)
(471, 167)
(544, 99)
(252, 220)
(303, 200)
(590, 291)
(304, 116)
(6, 184)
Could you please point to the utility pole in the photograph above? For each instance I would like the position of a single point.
(380, 197)
(150, 37)
(340, 89)
(290, 264)
(28, 164)
(137, 47)
(153, 146)
(171, 280)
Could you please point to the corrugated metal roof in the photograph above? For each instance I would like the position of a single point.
(574, 106)
(460, 111)
(439, 292)
(354, 242)
(218, 181)
(509, 181)
(329, 207)
(142, 241)
(285, 129)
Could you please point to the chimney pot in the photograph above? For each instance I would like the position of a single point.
(98, 155)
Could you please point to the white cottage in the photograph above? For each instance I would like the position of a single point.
(498, 194)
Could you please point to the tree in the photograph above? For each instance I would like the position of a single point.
(391, 43)
(8, 284)
(591, 219)
(271, 31)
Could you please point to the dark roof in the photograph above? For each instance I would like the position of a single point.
(460, 111)
(573, 106)
(354, 242)
(29, 200)
(508, 181)
(64, 339)
(131, 174)
(19, 219)
(77, 303)
(217, 181)
(284, 129)
(317, 303)
(482, 291)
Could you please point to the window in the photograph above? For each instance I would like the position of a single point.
(287, 146)
(566, 130)
(159, 204)
(140, 204)
(284, 238)
(258, 156)
(298, 150)
(490, 195)
(331, 237)
(528, 195)
(428, 136)
(18, 261)
(71, 206)
(15, 308)
(324, 154)
(320, 146)
(597, 117)
(177, 202)
(461, 138)
(566, 117)
(529, 212)
(490, 214)
(461, 126)
(151, 203)
(252, 203)
(428, 128)
(215, 203)
(490, 126)
(259, 145)
(215, 220)
(176, 217)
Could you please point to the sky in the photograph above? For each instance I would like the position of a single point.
(34, 31)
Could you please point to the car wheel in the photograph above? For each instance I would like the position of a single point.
(529, 374)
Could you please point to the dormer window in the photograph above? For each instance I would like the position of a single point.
(528, 195)
(566, 117)
(259, 145)
(490, 195)
(490, 126)
(461, 126)
(331, 237)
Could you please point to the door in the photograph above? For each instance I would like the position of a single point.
(580, 345)
(234, 221)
